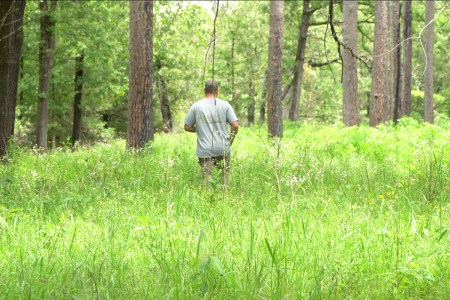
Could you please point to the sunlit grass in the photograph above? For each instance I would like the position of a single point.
(326, 212)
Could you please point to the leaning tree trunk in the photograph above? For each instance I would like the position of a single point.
(429, 44)
(299, 60)
(349, 68)
(11, 38)
(405, 103)
(379, 99)
(77, 110)
(140, 114)
(275, 69)
(46, 59)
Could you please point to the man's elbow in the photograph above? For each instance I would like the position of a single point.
(234, 126)
(189, 128)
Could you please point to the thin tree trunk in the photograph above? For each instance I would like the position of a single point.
(11, 39)
(299, 61)
(398, 88)
(233, 88)
(378, 99)
(398, 75)
(140, 114)
(395, 57)
(21, 75)
(77, 110)
(405, 103)
(251, 104)
(166, 113)
(349, 69)
(275, 69)
(55, 137)
(429, 44)
(46, 59)
(262, 106)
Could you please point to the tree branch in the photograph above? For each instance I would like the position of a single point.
(285, 91)
(339, 42)
(319, 23)
(322, 64)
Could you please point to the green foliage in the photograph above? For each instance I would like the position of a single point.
(183, 59)
(326, 212)
(178, 60)
(100, 30)
(440, 103)
(246, 23)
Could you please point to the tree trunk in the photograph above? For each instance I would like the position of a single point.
(166, 113)
(429, 44)
(349, 68)
(140, 114)
(11, 39)
(395, 56)
(378, 100)
(275, 69)
(262, 106)
(299, 61)
(397, 62)
(262, 110)
(46, 59)
(251, 104)
(21, 75)
(233, 88)
(77, 110)
(405, 103)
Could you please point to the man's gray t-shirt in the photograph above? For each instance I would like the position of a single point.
(211, 118)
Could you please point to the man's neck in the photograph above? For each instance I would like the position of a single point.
(211, 96)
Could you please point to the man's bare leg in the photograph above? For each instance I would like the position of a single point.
(207, 165)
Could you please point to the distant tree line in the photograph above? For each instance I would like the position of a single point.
(74, 71)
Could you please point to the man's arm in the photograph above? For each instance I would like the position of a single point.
(189, 128)
(234, 131)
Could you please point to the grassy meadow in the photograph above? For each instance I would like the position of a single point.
(327, 212)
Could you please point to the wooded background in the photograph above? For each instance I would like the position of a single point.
(86, 71)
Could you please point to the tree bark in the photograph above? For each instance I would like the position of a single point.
(395, 56)
(77, 110)
(166, 113)
(140, 114)
(251, 104)
(429, 44)
(405, 103)
(378, 100)
(275, 69)
(349, 69)
(262, 106)
(299, 61)
(233, 88)
(11, 39)
(21, 76)
(46, 59)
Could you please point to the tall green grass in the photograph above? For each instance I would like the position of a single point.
(324, 213)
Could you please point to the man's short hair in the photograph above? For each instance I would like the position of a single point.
(211, 86)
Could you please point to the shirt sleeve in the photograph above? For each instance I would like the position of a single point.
(231, 116)
(190, 117)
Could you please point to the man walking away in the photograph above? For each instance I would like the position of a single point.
(209, 118)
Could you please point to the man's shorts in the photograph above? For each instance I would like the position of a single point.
(217, 161)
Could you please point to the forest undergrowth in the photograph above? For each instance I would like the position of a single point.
(326, 212)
